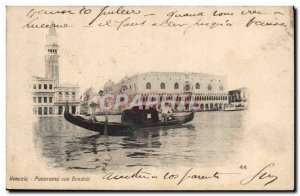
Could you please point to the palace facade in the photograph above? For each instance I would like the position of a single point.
(210, 91)
(49, 97)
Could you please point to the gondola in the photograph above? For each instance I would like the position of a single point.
(132, 119)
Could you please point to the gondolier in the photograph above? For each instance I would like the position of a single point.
(94, 102)
(166, 113)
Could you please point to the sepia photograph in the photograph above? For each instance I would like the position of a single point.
(169, 98)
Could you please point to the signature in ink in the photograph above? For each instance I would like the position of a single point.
(263, 174)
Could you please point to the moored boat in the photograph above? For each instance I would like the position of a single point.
(234, 108)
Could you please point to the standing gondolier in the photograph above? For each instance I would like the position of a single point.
(95, 101)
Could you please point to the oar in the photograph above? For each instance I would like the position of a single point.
(105, 124)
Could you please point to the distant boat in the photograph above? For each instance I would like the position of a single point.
(132, 119)
(234, 108)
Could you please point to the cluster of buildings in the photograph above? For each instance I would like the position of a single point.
(49, 96)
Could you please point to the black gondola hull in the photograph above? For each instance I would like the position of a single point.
(114, 128)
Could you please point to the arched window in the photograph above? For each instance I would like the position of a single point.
(206, 107)
(221, 87)
(209, 87)
(59, 95)
(67, 95)
(162, 86)
(197, 85)
(45, 110)
(187, 87)
(176, 86)
(50, 110)
(148, 85)
(40, 111)
(73, 95)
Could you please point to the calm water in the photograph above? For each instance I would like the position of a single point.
(210, 139)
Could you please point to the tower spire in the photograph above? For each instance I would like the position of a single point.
(52, 30)
(51, 54)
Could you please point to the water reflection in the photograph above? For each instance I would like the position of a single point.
(210, 139)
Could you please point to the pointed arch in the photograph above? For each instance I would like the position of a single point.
(162, 85)
(148, 85)
(176, 85)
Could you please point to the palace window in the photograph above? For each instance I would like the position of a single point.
(148, 85)
(45, 99)
(187, 87)
(45, 86)
(209, 87)
(197, 85)
(50, 86)
(176, 86)
(34, 86)
(221, 87)
(73, 95)
(59, 95)
(50, 99)
(40, 86)
(67, 95)
(162, 86)
(40, 99)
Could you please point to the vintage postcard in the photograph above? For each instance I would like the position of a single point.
(150, 98)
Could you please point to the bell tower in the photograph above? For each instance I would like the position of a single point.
(51, 55)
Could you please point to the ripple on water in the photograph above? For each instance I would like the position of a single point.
(211, 137)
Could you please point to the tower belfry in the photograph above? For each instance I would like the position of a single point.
(51, 55)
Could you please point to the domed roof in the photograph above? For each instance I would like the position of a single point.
(109, 84)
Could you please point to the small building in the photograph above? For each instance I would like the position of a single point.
(66, 93)
(239, 97)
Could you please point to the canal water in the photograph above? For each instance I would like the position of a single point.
(210, 139)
